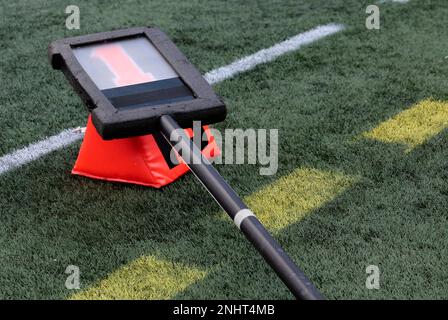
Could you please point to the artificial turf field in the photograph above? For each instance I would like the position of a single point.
(363, 157)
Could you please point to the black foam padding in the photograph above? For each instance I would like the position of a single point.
(134, 118)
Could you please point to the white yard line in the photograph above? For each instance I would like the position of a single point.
(269, 54)
(396, 1)
(36, 150)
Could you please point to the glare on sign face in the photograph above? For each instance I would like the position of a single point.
(123, 62)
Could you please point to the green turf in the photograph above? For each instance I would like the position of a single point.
(321, 98)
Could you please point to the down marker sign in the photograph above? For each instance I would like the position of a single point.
(136, 82)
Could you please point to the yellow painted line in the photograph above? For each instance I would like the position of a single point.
(413, 126)
(278, 205)
(291, 197)
(145, 278)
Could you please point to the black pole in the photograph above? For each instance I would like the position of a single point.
(225, 196)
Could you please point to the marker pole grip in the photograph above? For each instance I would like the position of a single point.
(299, 285)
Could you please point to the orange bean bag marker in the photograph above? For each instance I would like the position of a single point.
(140, 160)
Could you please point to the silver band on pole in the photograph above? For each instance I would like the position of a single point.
(241, 215)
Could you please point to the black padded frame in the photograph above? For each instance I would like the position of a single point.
(113, 124)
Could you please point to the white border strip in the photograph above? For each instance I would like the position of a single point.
(36, 150)
(241, 215)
